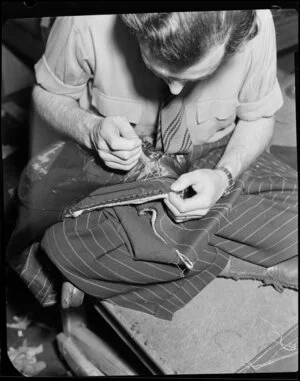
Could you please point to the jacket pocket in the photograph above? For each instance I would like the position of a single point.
(113, 106)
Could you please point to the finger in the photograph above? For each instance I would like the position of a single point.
(172, 208)
(101, 145)
(178, 213)
(125, 128)
(123, 137)
(128, 155)
(122, 167)
(118, 143)
(199, 201)
(121, 156)
(184, 181)
(184, 219)
(197, 213)
(111, 158)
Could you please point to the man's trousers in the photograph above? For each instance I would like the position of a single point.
(136, 256)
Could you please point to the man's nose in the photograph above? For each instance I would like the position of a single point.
(175, 87)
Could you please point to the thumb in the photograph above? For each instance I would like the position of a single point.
(183, 182)
(125, 128)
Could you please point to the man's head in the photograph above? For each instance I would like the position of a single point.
(189, 46)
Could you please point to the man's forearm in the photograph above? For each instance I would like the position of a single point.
(248, 141)
(65, 116)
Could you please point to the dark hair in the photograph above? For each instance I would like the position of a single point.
(179, 39)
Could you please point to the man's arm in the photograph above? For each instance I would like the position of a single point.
(248, 141)
(65, 116)
(113, 137)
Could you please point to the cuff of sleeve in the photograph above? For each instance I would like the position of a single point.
(265, 107)
(47, 79)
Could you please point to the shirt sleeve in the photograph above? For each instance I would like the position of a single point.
(65, 67)
(260, 95)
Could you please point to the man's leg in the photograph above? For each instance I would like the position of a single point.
(261, 230)
(94, 252)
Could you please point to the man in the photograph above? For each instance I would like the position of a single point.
(102, 81)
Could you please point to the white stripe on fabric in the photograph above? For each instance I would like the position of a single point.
(279, 253)
(45, 282)
(266, 223)
(279, 228)
(73, 275)
(46, 293)
(40, 269)
(117, 274)
(27, 261)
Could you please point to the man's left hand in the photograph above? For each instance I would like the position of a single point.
(208, 184)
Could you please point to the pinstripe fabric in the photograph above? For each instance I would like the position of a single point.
(38, 272)
(107, 256)
(265, 217)
(172, 135)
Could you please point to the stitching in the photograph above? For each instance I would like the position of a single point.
(124, 198)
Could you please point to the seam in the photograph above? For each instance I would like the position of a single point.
(76, 211)
(129, 197)
(59, 81)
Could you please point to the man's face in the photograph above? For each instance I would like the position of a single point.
(177, 79)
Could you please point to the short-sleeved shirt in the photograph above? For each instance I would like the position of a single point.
(97, 61)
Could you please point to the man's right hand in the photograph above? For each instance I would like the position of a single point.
(117, 143)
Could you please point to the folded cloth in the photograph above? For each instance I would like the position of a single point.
(136, 192)
(65, 173)
(122, 244)
(65, 180)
